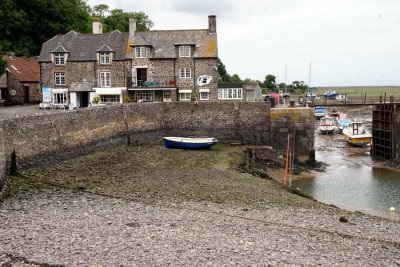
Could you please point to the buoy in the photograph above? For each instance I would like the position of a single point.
(392, 209)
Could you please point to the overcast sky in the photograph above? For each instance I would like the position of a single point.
(348, 42)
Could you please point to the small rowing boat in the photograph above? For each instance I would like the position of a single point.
(189, 142)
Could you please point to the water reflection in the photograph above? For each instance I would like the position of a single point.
(350, 181)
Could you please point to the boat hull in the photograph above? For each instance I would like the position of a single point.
(189, 143)
(327, 129)
(358, 141)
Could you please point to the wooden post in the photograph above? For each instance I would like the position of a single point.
(285, 179)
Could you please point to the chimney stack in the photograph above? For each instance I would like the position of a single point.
(212, 24)
(97, 27)
(132, 27)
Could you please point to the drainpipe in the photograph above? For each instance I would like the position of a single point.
(194, 75)
(176, 82)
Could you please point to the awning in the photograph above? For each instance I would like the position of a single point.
(151, 89)
(109, 90)
(204, 90)
(187, 91)
(81, 87)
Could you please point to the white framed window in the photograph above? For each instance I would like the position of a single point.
(59, 78)
(105, 58)
(184, 51)
(105, 79)
(185, 72)
(142, 52)
(145, 96)
(230, 93)
(59, 59)
(185, 96)
(204, 96)
(110, 98)
(60, 98)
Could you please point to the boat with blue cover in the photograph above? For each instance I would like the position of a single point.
(320, 112)
(189, 142)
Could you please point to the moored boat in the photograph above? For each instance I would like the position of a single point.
(327, 125)
(342, 123)
(356, 134)
(320, 112)
(189, 142)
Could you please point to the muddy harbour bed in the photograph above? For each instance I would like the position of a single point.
(136, 206)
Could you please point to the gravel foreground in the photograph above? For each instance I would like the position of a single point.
(199, 211)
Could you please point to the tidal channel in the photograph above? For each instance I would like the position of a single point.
(351, 181)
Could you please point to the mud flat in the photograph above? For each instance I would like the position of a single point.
(149, 206)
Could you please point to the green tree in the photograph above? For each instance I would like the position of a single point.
(300, 85)
(100, 10)
(269, 82)
(119, 20)
(3, 65)
(223, 74)
(235, 78)
(26, 24)
(282, 86)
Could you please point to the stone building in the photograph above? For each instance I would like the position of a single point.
(240, 91)
(75, 67)
(171, 65)
(20, 83)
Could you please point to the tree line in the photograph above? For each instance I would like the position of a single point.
(269, 84)
(26, 24)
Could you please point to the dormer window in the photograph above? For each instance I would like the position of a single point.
(184, 51)
(142, 52)
(59, 59)
(105, 58)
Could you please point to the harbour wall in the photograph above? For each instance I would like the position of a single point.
(2, 160)
(42, 138)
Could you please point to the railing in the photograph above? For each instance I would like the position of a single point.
(152, 82)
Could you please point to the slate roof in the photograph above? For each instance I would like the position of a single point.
(60, 49)
(81, 87)
(163, 43)
(244, 85)
(24, 69)
(231, 85)
(83, 47)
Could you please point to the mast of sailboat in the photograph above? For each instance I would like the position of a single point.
(285, 81)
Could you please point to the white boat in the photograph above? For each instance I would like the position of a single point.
(327, 125)
(356, 134)
(189, 142)
(320, 112)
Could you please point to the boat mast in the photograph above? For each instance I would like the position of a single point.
(285, 81)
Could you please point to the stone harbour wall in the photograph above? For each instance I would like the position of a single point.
(42, 138)
(2, 160)
(299, 124)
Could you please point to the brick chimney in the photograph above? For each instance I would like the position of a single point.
(97, 27)
(132, 27)
(212, 24)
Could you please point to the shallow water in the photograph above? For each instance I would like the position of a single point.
(350, 181)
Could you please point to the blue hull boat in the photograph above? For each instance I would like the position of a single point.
(189, 142)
